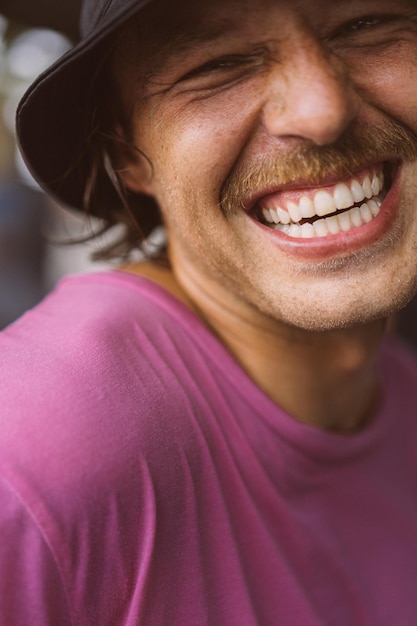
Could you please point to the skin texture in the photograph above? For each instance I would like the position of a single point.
(260, 92)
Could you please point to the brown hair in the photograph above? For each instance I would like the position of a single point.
(105, 194)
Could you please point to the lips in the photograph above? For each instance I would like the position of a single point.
(327, 210)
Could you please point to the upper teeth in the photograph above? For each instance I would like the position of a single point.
(323, 203)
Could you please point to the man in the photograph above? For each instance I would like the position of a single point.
(228, 438)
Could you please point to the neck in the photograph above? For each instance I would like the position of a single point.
(326, 379)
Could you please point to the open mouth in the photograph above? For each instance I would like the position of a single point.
(329, 210)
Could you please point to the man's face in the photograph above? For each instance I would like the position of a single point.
(282, 139)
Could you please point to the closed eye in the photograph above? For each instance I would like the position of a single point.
(362, 24)
(367, 25)
(225, 64)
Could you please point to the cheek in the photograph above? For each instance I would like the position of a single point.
(390, 83)
(400, 98)
(197, 142)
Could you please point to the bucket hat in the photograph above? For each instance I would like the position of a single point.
(51, 119)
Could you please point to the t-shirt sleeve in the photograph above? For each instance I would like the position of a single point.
(31, 588)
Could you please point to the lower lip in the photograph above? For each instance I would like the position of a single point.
(350, 241)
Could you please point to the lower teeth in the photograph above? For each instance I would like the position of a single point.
(335, 224)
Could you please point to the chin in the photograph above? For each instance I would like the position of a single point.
(332, 318)
(340, 303)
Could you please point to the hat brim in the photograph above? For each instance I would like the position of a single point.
(51, 117)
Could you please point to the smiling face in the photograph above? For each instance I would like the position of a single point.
(282, 139)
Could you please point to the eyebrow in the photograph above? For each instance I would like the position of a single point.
(184, 40)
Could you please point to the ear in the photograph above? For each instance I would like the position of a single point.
(133, 167)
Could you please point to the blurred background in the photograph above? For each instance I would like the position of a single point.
(33, 33)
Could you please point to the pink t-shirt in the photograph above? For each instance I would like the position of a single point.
(146, 481)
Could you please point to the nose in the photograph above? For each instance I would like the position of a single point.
(311, 95)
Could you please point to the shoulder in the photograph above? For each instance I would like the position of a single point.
(90, 379)
(104, 374)
(53, 356)
(95, 410)
(86, 331)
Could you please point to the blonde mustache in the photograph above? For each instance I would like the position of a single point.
(357, 148)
